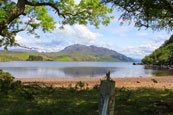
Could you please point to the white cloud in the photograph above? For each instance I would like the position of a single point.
(139, 51)
(156, 40)
(26, 42)
(37, 44)
(78, 34)
(66, 32)
(84, 34)
(160, 38)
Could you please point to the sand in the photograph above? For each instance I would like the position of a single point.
(133, 82)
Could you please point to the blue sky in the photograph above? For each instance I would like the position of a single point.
(125, 39)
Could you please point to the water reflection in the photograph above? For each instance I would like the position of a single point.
(157, 71)
(87, 71)
(79, 69)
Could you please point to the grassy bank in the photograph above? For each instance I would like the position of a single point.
(23, 56)
(34, 99)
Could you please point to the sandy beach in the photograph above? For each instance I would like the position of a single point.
(133, 82)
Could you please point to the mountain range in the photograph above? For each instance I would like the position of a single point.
(75, 52)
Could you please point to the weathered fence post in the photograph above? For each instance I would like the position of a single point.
(107, 96)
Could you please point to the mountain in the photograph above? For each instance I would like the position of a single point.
(161, 56)
(95, 51)
(71, 53)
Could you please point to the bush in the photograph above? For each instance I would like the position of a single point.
(7, 83)
(79, 85)
(35, 58)
(6, 76)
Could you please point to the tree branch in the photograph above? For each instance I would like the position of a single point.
(25, 47)
(46, 4)
(20, 29)
(54, 7)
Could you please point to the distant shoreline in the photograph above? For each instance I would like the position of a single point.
(133, 82)
(62, 61)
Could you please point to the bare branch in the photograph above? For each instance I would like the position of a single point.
(17, 44)
(20, 29)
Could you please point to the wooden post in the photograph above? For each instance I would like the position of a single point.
(107, 89)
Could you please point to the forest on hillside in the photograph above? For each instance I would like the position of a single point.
(161, 56)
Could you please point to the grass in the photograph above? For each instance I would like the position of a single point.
(23, 56)
(144, 101)
(36, 100)
(59, 101)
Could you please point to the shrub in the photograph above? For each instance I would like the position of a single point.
(7, 83)
(155, 81)
(79, 85)
(6, 76)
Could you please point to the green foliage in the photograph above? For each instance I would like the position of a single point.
(155, 14)
(162, 55)
(6, 76)
(41, 14)
(155, 81)
(35, 58)
(79, 85)
(7, 84)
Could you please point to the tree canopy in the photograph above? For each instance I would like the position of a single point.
(155, 14)
(40, 15)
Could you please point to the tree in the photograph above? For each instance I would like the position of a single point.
(35, 58)
(155, 14)
(163, 55)
(39, 14)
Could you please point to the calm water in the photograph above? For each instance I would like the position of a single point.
(26, 69)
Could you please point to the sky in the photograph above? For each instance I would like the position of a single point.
(125, 39)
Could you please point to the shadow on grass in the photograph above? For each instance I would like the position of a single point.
(34, 100)
(49, 101)
(144, 101)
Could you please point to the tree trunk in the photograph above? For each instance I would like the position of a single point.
(16, 12)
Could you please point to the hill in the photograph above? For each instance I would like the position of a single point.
(70, 53)
(161, 56)
(95, 51)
